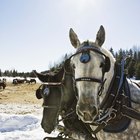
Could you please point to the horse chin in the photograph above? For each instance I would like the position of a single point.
(47, 127)
(86, 120)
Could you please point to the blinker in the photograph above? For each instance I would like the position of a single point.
(38, 94)
(46, 91)
(85, 57)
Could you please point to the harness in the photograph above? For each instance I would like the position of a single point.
(116, 106)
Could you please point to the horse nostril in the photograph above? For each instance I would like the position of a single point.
(87, 116)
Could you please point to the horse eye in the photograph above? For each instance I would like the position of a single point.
(101, 65)
(73, 66)
(46, 91)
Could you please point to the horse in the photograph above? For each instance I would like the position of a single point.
(106, 99)
(59, 99)
(18, 81)
(31, 81)
(2, 84)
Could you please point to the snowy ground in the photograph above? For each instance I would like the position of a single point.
(10, 79)
(21, 121)
(17, 123)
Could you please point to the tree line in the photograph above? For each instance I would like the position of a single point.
(14, 73)
(132, 66)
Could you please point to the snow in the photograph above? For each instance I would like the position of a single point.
(21, 122)
(10, 79)
(136, 81)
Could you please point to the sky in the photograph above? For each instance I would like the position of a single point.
(34, 34)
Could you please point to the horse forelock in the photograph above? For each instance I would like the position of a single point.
(89, 43)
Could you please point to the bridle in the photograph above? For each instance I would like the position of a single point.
(61, 84)
(58, 84)
(86, 50)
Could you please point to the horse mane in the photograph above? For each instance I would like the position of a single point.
(109, 54)
(110, 74)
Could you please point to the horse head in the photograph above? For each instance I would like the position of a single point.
(93, 69)
(51, 95)
(57, 93)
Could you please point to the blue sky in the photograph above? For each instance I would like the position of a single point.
(35, 33)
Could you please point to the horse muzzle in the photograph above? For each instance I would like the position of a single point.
(86, 113)
(47, 127)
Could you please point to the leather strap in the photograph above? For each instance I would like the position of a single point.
(130, 113)
(88, 79)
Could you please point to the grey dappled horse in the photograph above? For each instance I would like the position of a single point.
(93, 71)
(101, 88)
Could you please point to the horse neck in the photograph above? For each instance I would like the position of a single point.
(68, 91)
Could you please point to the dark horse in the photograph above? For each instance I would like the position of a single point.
(18, 81)
(31, 81)
(2, 84)
(59, 99)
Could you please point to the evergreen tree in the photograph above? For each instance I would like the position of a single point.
(139, 56)
(138, 71)
(135, 55)
(127, 63)
(14, 73)
(116, 55)
(112, 51)
(131, 68)
(0, 73)
(120, 55)
(131, 52)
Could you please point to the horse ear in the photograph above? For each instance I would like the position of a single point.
(42, 77)
(74, 38)
(100, 37)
